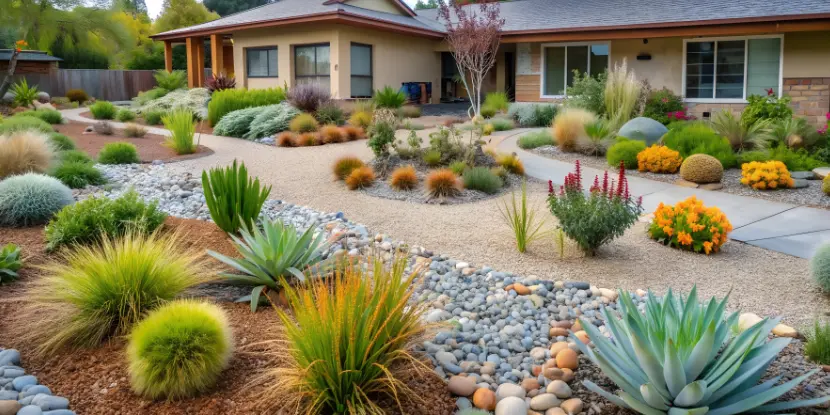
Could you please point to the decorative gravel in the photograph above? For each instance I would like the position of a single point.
(494, 327)
(811, 195)
(21, 394)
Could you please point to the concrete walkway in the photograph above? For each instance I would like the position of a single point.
(791, 229)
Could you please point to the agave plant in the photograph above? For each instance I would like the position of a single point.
(271, 255)
(793, 133)
(680, 358)
(598, 137)
(741, 136)
(9, 262)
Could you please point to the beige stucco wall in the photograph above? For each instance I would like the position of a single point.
(665, 69)
(807, 55)
(396, 58)
(386, 6)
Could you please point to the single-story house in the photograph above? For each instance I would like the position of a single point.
(29, 62)
(714, 53)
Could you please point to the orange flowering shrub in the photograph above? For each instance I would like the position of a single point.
(766, 175)
(659, 159)
(690, 225)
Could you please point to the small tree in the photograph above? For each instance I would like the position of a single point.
(474, 38)
(7, 80)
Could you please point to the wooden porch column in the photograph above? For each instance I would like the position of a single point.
(195, 62)
(217, 55)
(168, 56)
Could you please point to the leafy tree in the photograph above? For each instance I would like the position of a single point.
(176, 14)
(429, 4)
(226, 7)
(136, 7)
(79, 57)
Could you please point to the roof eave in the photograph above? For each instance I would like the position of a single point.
(333, 16)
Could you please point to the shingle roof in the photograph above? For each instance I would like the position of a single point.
(528, 15)
(286, 9)
(29, 55)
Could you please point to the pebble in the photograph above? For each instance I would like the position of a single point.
(30, 410)
(544, 402)
(484, 398)
(783, 330)
(567, 359)
(559, 388)
(572, 406)
(9, 407)
(509, 389)
(462, 385)
(511, 406)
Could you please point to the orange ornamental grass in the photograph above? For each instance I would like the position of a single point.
(659, 159)
(307, 139)
(360, 177)
(766, 175)
(286, 139)
(353, 133)
(691, 226)
(404, 178)
(332, 134)
(443, 183)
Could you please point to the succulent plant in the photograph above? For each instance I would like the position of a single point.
(10, 262)
(680, 358)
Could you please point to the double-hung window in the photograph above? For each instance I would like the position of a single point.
(261, 62)
(730, 69)
(312, 64)
(560, 60)
(361, 60)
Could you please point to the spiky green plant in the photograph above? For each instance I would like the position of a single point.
(482, 179)
(346, 341)
(680, 358)
(78, 174)
(182, 128)
(621, 94)
(61, 142)
(388, 97)
(179, 350)
(10, 262)
(817, 347)
(598, 137)
(233, 199)
(741, 136)
(271, 255)
(522, 220)
(24, 94)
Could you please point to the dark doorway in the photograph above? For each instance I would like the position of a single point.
(510, 75)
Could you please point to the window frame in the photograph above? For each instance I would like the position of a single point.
(315, 45)
(265, 48)
(746, 40)
(552, 45)
(371, 75)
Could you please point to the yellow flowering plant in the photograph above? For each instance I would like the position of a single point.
(690, 225)
(763, 175)
(659, 159)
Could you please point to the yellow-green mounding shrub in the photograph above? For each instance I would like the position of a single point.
(625, 151)
(304, 123)
(22, 123)
(118, 153)
(347, 339)
(701, 168)
(179, 350)
(98, 291)
(825, 185)
(103, 110)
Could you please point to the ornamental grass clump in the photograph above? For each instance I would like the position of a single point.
(360, 178)
(659, 159)
(820, 267)
(78, 175)
(103, 110)
(625, 151)
(10, 262)
(273, 255)
(304, 123)
(286, 139)
(404, 178)
(179, 350)
(522, 220)
(599, 217)
(31, 199)
(536, 139)
(511, 163)
(102, 290)
(233, 199)
(691, 226)
(681, 357)
(118, 153)
(332, 134)
(817, 347)
(229, 100)
(443, 183)
(348, 342)
(389, 97)
(61, 142)
(344, 166)
(482, 179)
(361, 119)
(353, 133)
(24, 152)
(19, 123)
(569, 126)
(182, 128)
(766, 175)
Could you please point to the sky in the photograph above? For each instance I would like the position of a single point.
(154, 6)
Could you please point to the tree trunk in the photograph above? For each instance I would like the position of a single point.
(7, 81)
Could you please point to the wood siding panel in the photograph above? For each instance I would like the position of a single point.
(106, 84)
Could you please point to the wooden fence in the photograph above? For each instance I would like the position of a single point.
(105, 84)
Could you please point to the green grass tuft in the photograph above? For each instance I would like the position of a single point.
(61, 142)
(818, 343)
(536, 139)
(482, 179)
(78, 174)
(118, 153)
(103, 110)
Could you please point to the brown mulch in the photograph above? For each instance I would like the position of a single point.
(201, 127)
(96, 381)
(150, 147)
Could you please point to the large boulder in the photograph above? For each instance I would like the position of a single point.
(43, 97)
(7, 98)
(643, 128)
(701, 169)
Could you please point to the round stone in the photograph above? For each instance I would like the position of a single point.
(544, 402)
(521, 289)
(530, 384)
(484, 398)
(582, 336)
(572, 406)
(559, 388)
(506, 390)
(643, 128)
(557, 347)
(511, 406)
(558, 331)
(555, 411)
(462, 385)
(567, 359)
(9, 407)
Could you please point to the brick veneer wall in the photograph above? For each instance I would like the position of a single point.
(811, 97)
(698, 110)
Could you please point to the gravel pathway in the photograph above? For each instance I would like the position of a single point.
(761, 281)
(811, 195)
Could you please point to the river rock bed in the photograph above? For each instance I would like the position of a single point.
(499, 336)
(21, 394)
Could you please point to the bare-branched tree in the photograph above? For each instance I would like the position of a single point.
(474, 34)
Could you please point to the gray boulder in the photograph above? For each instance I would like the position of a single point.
(8, 98)
(43, 97)
(643, 128)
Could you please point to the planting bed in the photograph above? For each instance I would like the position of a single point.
(150, 147)
(811, 195)
(201, 126)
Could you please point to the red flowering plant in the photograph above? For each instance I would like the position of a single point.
(661, 104)
(595, 217)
